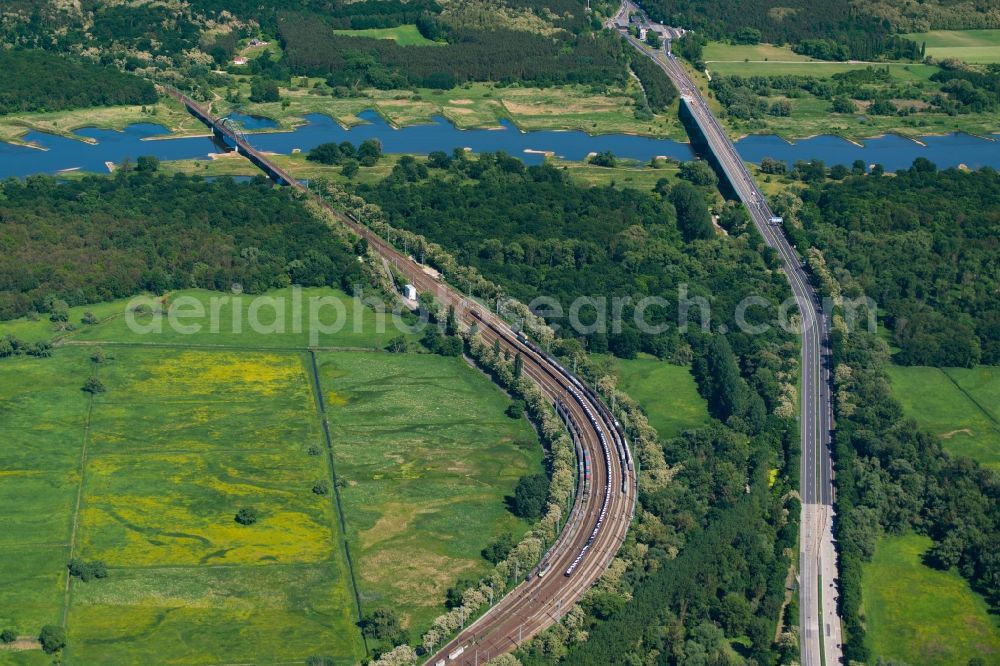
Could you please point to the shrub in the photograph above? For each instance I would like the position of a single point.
(529, 496)
(498, 551)
(605, 159)
(397, 345)
(382, 624)
(8, 636)
(246, 516)
(93, 386)
(52, 638)
(87, 571)
(516, 409)
(321, 488)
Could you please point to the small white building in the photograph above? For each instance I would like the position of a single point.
(239, 60)
(409, 292)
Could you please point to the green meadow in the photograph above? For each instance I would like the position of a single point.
(192, 428)
(667, 393)
(919, 615)
(404, 35)
(959, 405)
(425, 455)
(246, 320)
(972, 46)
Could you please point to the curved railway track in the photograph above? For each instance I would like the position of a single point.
(584, 548)
(602, 512)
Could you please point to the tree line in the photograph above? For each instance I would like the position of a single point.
(660, 92)
(98, 239)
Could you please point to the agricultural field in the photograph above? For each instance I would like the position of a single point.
(972, 46)
(424, 455)
(148, 475)
(404, 35)
(667, 393)
(918, 615)
(958, 405)
(180, 441)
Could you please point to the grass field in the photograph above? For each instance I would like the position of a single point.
(972, 46)
(922, 616)
(666, 392)
(404, 35)
(43, 415)
(185, 435)
(721, 52)
(343, 323)
(957, 404)
(638, 176)
(425, 453)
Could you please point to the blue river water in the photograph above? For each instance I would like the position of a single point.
(62, 154)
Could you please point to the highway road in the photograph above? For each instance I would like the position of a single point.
(538, 601)
(819, 621)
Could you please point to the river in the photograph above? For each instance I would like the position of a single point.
(62, 154)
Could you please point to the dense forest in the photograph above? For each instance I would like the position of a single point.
(925, 245)
(893, 478)
(99, 238)
(537, 233)
(38, 81)
(471, 55)
(660, 92)
(709, 553)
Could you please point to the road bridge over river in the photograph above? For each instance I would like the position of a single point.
(819, 619)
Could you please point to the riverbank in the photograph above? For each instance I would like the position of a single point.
(484, 106)
(600, 110)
